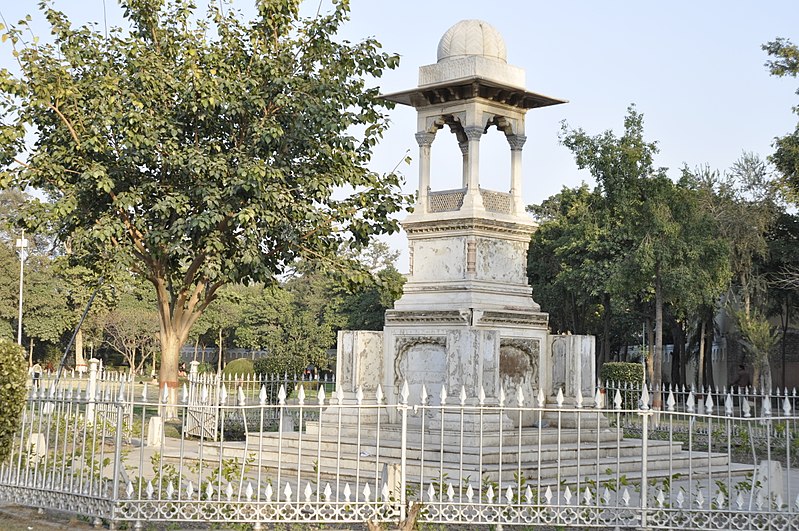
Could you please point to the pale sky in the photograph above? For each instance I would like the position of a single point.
(694, 69)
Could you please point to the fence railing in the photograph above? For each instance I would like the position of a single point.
(309, 453)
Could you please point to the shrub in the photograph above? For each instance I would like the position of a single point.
(13, 376)
(622, 372)
(205, 367)
(274, 371)
(279, 365)
(618, 374)
(239, 366)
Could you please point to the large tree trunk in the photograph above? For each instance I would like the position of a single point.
(710, 332)
(79, 359)
(219, 359)
(700, 378)
(605, 355)
(649, 351)
(785, 318)
(679, 352)
(168, 373)
(763, 379)
(657, 358)
(176, 317)
(746, 295)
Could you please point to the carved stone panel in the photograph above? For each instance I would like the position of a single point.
(421, 361)
(560, 352)
(518, 370)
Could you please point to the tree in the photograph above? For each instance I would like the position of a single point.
(13, 377)
(568, 263)
(663, 248)
(199, 152)
(618, 164)
(743, 202)
(131, 328)
(786, 148)
(759, 340)
(47, 315)
(221, 318)
(365, 308)
(780, 270)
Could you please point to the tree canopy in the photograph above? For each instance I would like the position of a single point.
(199, 151)
(637, 243)
(785, 62)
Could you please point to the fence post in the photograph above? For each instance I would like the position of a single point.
(645, 413)
(91, 389)
(403, 405)
(117, 467)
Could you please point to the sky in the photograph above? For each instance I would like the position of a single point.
(694, 69)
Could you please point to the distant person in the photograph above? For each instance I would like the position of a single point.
(742, 379)
(36, 373)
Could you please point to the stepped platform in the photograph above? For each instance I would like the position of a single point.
(544, 456)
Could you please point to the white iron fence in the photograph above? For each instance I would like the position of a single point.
(307, 453)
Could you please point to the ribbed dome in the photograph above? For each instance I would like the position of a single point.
(472, 37)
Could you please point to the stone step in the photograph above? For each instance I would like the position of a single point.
(472, 441)
(368, 468)
(555, 462)
(453, 452)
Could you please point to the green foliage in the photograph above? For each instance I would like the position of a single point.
(276, 365)
(130, 327)
(622, 372)
(636, 246)
(759, 340)
(570, 259)
(204, 368)
(785, 62)
(200, 151)
(366, 307)
(239, 366)
(13, 377)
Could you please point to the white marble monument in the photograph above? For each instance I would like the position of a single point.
(467, 317)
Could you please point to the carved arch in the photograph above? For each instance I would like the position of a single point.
(403, 344)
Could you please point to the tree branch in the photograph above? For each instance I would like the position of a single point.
(66, 122)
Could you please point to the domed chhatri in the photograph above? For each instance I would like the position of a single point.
(472, 37)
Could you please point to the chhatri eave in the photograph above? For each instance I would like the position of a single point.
(472, 62)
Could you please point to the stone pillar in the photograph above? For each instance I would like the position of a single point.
(80, 361)
(516, 144)
(473, 198)
(193, 370)
(425, 140)
(465, 172)
(359, 361)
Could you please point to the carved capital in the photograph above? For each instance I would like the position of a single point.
(473, 133)
(516, 142)
(425, 139)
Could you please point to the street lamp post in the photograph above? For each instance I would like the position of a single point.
(22, 245)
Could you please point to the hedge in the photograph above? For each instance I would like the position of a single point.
(239, 366)
(13, 377)
(622, 372)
